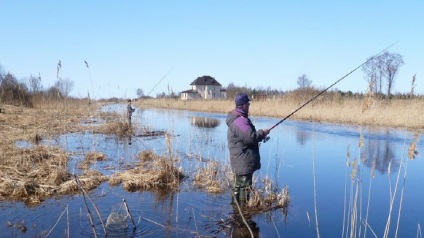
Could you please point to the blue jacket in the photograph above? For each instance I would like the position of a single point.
(243, 143)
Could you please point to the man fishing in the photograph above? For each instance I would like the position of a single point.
(130, 110)
(243, 144)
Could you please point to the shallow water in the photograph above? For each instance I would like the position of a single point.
(297, 153)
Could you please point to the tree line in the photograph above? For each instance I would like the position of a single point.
(379, 71)
(21, 92)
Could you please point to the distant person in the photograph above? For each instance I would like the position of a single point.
(243, 144)
(130, 111)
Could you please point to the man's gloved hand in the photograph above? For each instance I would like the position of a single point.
(266, 137)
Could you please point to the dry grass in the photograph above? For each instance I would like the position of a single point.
(152, 172)
(268, 197)
(209, 178)
(38, 172)
(33, 175)
(399, 113)
(91, 158)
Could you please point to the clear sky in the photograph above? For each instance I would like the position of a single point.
(134, 44)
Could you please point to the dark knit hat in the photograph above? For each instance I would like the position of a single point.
(242, 99)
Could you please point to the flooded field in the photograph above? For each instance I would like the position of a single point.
(342, 180)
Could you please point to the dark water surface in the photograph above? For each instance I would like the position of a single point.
(297, 153)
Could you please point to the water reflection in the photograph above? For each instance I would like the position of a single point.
(380, 155)
(242, 225)
(204, 122)
(302, 136)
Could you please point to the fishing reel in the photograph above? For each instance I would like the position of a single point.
(266, 139)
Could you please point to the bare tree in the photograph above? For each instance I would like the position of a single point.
(303, 81)
(371, 74)
(390, 68)
(380, 68)
(64, 86)
(373, 70)
(231, 90)
(140, 93)
(34, 84)
(1, 73)
(13, 91)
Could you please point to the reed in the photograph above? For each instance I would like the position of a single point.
(353, 222)
(208, 178)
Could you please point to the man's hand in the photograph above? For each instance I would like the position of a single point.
(266, 132)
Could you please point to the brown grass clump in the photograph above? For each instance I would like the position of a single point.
(412, 150)
(208, 178)
(118, 128)
(152, 172)
(90, 158)
(29, 175)
(268, 198)
(89, 180)
(39, 173)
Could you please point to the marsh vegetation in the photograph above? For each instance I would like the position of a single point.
(45, 155)
(59, 148)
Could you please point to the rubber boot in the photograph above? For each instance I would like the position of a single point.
(236, 195)
(244, 182)
(243, 197)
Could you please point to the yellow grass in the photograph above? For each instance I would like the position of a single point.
(39, 172)
(35, 173)
(152, 172)
(396, 113)
(208, 178)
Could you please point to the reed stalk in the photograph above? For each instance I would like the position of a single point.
(57, 221)
(315, 187)
(392, 200)
(84, 194)
(67, 220)
(411, 156)
(369, 198)
(345, 193)
(128, 212)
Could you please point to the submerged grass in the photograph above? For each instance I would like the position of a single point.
(268, 197)
(152, 172)
(210, 177)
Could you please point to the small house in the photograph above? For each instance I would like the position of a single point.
(204, 87)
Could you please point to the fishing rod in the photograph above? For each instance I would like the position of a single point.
(323, 91)
(154, 89)
(159, 82)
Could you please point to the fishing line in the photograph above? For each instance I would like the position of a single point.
(159, 82)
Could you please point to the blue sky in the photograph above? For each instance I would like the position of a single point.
(134, 44)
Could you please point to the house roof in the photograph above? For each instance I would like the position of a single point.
(205, 80)
(189, 91)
